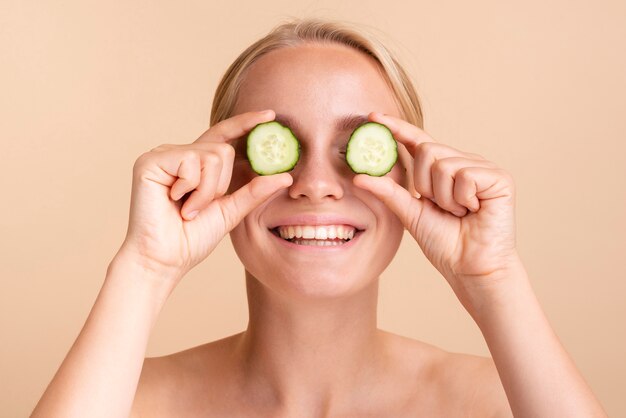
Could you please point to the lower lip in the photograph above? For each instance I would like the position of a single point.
(319, 248)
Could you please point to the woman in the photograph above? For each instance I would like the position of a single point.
(312, 346)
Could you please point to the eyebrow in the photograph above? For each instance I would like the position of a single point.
(347, 122)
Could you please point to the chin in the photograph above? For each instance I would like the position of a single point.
(280, 269)
(315, 283)
(309, 280)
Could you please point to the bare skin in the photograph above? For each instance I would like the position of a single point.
(309, 369)
(312, 347)
(417, 380)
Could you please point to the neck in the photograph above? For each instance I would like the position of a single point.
(305, 353)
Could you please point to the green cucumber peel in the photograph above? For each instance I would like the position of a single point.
(372, 150)
(272, 148)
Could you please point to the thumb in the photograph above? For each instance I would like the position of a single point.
(396, 197)
(238, 204)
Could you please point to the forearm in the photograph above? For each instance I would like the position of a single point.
(538, 375)
(99, 375)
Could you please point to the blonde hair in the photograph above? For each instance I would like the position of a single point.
(300, 31)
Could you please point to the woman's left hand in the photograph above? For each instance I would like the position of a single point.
(464, 221)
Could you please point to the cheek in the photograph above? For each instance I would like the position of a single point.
(253, 257)
(238, 240)
(388, 225)
(390, 231)
(394, 228)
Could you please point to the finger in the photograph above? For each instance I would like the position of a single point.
(225, 150)
(227, 153)
(228, 158)
(477, 185)
(464, 190)
(396, 197)
(187, 172)
(235, 126)
(238, 204)
(423, 148)
(444, 173)
(204, 193)
(406, 133)
(428, 156)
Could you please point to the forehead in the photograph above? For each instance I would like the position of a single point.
(316, 82)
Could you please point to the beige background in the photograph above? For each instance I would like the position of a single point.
(86, 87)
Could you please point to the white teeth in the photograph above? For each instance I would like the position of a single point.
(308, 232)
(318, 232)
(321, 233)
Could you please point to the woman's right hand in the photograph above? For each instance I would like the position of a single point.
(163, 234)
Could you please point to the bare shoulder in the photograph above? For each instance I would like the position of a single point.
(174, 382)
(455, 384)
(476, 379)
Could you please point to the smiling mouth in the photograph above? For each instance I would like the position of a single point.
(324, 236)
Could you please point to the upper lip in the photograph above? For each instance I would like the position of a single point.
(317, 219)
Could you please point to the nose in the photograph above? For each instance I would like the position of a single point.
(317, 179)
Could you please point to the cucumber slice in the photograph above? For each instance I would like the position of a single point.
(272, 148)
(372, 149)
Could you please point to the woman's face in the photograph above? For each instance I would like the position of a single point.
(315, 87)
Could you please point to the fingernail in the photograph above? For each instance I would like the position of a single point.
(192, 215)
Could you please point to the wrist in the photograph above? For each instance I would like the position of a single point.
(485, 295)
(129, 269)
